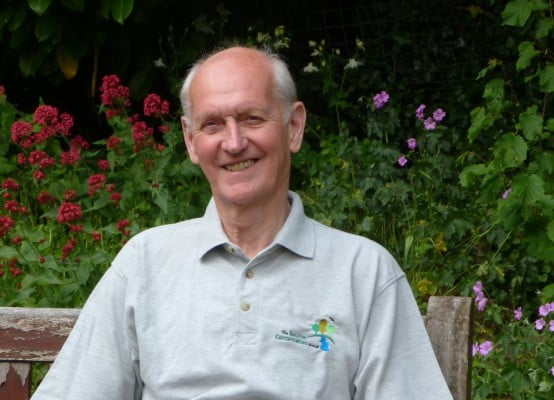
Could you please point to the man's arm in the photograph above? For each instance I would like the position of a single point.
(97, 360)
(396, 360)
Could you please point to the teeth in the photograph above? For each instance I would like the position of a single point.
(239, 166)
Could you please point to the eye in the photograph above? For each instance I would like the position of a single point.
(253, 119)
(210, 126)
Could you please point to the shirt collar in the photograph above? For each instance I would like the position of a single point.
(297, 234)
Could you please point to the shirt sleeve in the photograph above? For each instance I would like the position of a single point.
(98, 360)
(397, 361)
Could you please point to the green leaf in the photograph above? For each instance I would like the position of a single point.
(510, 151)
(471, 171)
(528, 188)
(160, 199)
(546, 78)
(480, 120)
(530, 123)
(544, 26)
(526, 53)
(39, 6)
(45, 27)
(121, 9)
(494, 89)
(74, 5)
(517, 12)
(18, 19)
(8, 252)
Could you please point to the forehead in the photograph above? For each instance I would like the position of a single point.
(230, 77)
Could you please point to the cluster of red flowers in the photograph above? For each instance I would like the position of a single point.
(68, 248)
(114, 95)
(6, 224)
(47, 122)
(95, 182)
(121, 225)
(155, 106)
(69, 212)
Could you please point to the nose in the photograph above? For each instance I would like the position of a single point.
(233, 141)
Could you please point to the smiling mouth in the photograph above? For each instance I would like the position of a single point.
(239, 166)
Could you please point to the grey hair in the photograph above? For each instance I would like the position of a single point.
(283, 84)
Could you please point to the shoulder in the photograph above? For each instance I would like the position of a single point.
(362, 255)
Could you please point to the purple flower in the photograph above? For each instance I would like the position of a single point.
(544, 310)
(485, 348)
(419, 112)
(402, 161)
(552, 371)
(551, 328)
(506, 193)
(539, 324)
(474, 349)
(478, 287)
(380, 99)
(518, 314)
(439, 114)
(412, 143)
(430, 124)
(481, 303)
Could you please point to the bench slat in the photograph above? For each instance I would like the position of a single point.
(34, 334)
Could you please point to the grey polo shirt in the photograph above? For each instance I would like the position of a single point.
(183, 314)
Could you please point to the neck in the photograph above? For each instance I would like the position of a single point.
(253, 228)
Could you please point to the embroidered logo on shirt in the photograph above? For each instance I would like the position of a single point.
(322, 331)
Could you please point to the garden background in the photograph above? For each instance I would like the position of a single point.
(430, 131)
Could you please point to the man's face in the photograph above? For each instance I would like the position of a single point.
(237, 132)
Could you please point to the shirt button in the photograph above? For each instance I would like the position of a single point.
(245, 306)
(250, 274)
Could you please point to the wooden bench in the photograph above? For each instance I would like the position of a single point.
(35, 335)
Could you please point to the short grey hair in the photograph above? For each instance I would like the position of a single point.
(283, 84)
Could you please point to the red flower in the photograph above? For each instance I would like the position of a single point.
(110, 187)
(15, 271)
(121, 225)
(96, 236)
(76, 228)
(36, 156)
(80, 143)
(38, 175)
(12, 206)
(115, 198)
(113, 142)
(46, 115)
(95, 182)
(17, 240)
(68, 248)
(70, 194)
(10, 183)
(21, 131)
(47, 162)
(69, 212)
(41, 259)
(112, 93)
(71, 157)
(154, 105)
(6, 224)
(21, 159)
(104, 165)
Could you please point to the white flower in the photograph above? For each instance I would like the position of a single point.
(159, 63)
(310, 68)
(311, 43)
(360, 44)
(353, 64)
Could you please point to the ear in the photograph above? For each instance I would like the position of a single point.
(296, 124)
(187, 134)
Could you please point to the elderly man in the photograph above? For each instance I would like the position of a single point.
(254, 300)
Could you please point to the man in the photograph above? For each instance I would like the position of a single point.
(254, 300)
